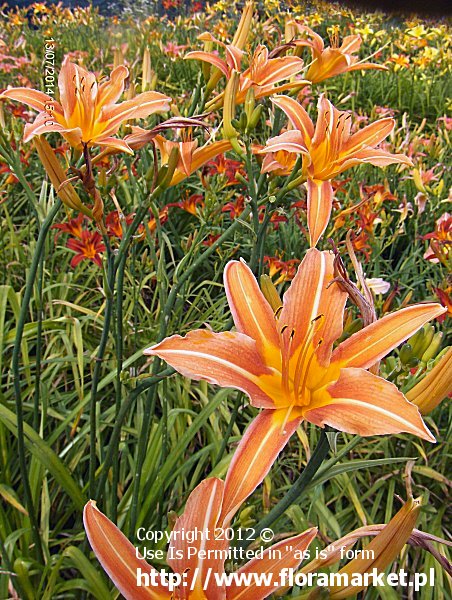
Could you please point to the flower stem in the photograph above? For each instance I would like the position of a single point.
(118, 391)
(16, 374)
(94, 433)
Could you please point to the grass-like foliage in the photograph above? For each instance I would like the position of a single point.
(117, 232)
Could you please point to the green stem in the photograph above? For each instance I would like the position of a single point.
(38, 357)
(16, 374)
(94, 433)
(118, 395)
(318, 456)
(149, 409)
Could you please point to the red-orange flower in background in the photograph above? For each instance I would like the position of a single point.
(190, 203)
(283, 270)
(72, 226)
(328, 148)
(440, 239)
(285, 362)
(88, 247)
(331, 61)
(198, 563)
(114, 223)
(87, 113)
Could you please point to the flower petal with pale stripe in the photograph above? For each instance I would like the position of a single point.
(118, 557)
(258, 449)
(227, 359)
(362, 403)
(200, 515)
(320, 203)
(312, 294)
(364, 348)
(250, 310)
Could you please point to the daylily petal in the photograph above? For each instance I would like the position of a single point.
(316, 41)
(380, 158)
(110, 91)
(297, 116)
(269, 90)
(210, 58)
(366, 347)
(362, 403)
(141, 106)
(278, 69)
(290, 141)
(78, 88)
(118, 556)
(320, 203)
(271, 565)
(264, 439)
(234, 57)
(371, 135)
(226, 359)
(332, 62)
(44, 123)
(34, 98)
(351, 44)
(201, 515)
(115, 143)
(312, 294)
(252, 313)
(186, 150)
(201, 156)
(362, 66)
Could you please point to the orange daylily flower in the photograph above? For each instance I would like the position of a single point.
(328, 149)
(88, 113)
(286, 364)
(88, 247)
(439, 249)
(334, 60)
(197, 563)
(191, 158)
(261, 75)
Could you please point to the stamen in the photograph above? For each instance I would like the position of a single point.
(278, 312)
(305, 378)
(285, 354)
(300, 370)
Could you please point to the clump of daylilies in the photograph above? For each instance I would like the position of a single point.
(289, 355)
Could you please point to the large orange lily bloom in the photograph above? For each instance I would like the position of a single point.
(261, 75)
(328, 149)
(196, 562)
(334, 60)
(286, 364)
(87, 113)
